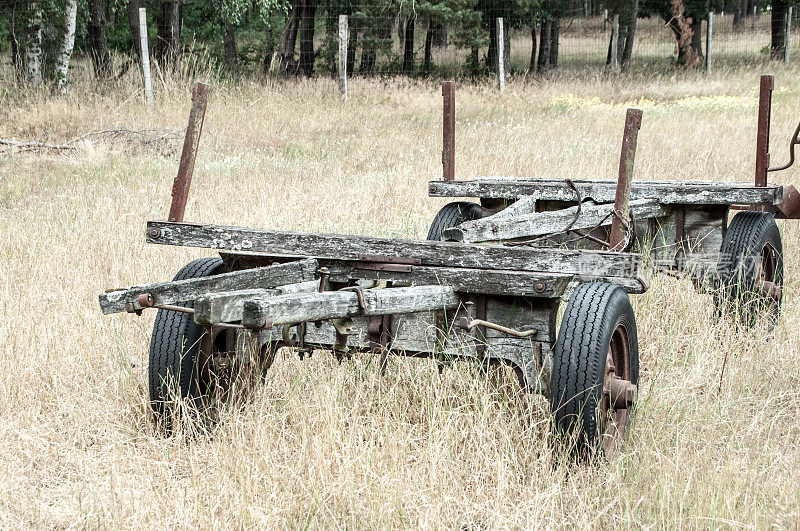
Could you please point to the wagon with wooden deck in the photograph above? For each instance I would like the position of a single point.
(491, 293)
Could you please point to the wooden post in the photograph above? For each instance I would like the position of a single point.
(788, 32)
(180, 188)
(615, 44)
(762, 133)
(343, 56)
(633, 122)
(605, 20)
(501, 71)
(148, 87)
(449, 130)
(709, 30)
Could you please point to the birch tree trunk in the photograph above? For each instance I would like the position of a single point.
(33, 46)
(67, 43)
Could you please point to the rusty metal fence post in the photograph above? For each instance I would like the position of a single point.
(180, 187)
(762, 134)
(449, 130)
(633, 122)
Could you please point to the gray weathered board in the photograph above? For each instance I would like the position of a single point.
(493, 228)
(227, 306)
(179, 291)
(666, 192)
(589, 264)
(258, 311)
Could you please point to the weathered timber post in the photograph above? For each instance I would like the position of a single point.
(709, 30)
(788, 34)
(633, 122)
(605, 20)
(343, 56)
(501, 70)
(180, 187)
(615, 44)
(762, 133)
(148, 87)
(449, 130)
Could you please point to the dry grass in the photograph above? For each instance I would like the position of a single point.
(325, 445)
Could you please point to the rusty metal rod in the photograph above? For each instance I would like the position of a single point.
(500, 328)
(180, 187)
(633, 122)
(449, 130)
(762, 134)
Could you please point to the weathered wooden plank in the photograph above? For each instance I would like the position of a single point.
(464, 280)
(302, 307)
(543, 223)
(227, 306)
(666, 192)
(179, 291)
(429, 253)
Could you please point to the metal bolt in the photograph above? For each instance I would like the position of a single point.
(145, 300)
(323, 278)
(539, 287)
(766, 197)
(154, 232)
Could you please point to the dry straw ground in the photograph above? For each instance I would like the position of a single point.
(328, 445)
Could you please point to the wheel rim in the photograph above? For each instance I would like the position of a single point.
(768, 281)
(619, 392)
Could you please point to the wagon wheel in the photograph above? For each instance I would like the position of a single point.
(595, 370)
(750, 268)
(451, 215)
(181, 351)
(231, 361)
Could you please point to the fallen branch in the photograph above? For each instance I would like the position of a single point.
(144, 137)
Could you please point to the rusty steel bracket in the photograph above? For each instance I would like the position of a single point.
(476, 311)
(378, 262)
(449, 130)
(630, 136)
(362, 301)
(145, 300)
(180, 187)
(379, 331)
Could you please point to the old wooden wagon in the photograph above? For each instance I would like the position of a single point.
(490, 294)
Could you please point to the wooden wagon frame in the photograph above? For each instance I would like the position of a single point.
(491, 293)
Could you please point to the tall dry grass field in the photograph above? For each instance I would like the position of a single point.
(329, 445)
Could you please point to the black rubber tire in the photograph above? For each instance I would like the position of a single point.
(452, 215)
(739, 265)
(172, 367)
(594, 311)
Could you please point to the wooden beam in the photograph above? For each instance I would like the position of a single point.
(551, 222)
(428, 253)
(264, 312)
(666, 192)
(180, 291)
(227, 306)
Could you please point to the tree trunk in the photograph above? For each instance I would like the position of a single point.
(697, 38)
(33, 45)
(408, 51)
(307, 37)
(439, 31)
(630, 32)
(269, 51)
(168, 45)
(491, 54)
(16, 48)
(98, 41)
(778, 22)
(739, 14)
(543, 62)
(133, 24)
(289, 39)
(427, 59)
(555, 31)
(229, 43)
(685, 41)
(532, 64)
(66, 45)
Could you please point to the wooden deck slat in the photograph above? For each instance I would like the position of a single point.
(666, 192)
(588, 264)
